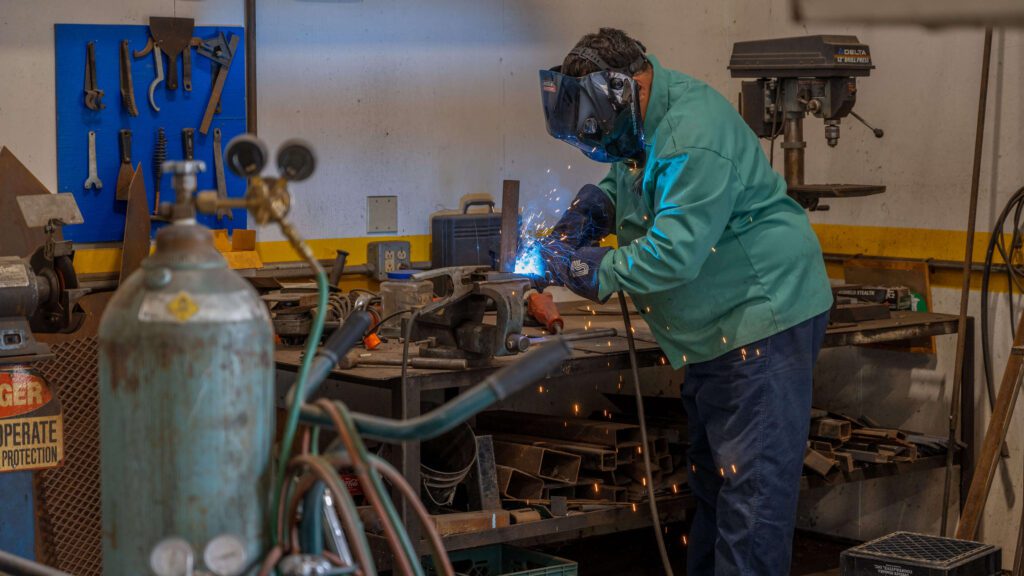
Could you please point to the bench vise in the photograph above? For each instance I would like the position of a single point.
(455, 326)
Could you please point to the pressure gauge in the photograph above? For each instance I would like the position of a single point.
(295, 160)
(172, 557)
(246, 155)
(225, 555)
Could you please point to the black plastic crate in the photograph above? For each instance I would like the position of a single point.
(909, 554)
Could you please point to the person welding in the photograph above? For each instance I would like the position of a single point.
(721, 263)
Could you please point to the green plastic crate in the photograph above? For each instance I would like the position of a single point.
(505, 560)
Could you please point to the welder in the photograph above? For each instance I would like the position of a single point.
(719, 261)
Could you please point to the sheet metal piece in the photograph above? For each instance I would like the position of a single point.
(16, 236)
(509, 225)
(39, 209)
(137, 226)
(538, 461)
(519, 485)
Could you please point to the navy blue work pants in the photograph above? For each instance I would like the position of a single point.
(748, 417)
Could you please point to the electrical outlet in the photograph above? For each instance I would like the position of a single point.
(384, 257)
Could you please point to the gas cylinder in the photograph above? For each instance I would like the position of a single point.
(186, 411)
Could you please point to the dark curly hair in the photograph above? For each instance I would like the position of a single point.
(614, 46)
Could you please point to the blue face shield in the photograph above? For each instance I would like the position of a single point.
(598, 113)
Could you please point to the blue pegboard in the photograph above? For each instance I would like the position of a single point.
(104, 215)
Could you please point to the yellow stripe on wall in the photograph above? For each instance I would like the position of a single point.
(863, 241)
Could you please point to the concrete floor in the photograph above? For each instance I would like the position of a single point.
(635, 554)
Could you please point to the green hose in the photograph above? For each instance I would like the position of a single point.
(378, 486)
(293, 411)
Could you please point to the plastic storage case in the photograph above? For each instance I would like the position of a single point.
(463, 238)
(909, 554)
(505, 560)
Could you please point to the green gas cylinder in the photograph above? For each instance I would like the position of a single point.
(186, 413)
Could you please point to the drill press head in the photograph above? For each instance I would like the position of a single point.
(814, 75)
(796, 77)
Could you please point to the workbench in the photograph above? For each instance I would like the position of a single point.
(611, 354)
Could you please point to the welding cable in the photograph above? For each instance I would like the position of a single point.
(1013, 275)
(441, 561)
(271, 560)
(347, 513)
(651, 499)
(376, 327)
(398, 538)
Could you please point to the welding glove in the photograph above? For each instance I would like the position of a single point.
(589, 218)
(575, 269)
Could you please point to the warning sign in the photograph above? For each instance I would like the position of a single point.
(31, 423)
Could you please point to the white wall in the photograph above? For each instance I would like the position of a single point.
(429, 100)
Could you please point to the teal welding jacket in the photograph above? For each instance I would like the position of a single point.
(713, 252)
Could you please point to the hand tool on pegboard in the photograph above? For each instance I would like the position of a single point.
(159, 155)
(188, 143)
(93, 95)
(93, 181)
(158, 62)
(218, 166)
(125, 172)
(127, 89)
(215, 50)
(172, 36)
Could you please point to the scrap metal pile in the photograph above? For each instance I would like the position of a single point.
(840, 444)
(587, 462)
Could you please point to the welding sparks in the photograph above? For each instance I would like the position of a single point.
(576, 409)
(540, 389)
(634, 506)
(675, 489)
(685, 543)
(733, 466)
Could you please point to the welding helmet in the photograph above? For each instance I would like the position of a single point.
(598, 113)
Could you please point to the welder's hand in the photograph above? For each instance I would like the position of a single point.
(575, 269)
(589, 218)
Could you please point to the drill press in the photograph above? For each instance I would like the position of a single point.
(794, 77)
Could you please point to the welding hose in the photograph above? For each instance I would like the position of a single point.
(334, 349)
(349, 514)
(651, 500)
(311, 345)
(398, 538)
(441, 561)
(534, 366)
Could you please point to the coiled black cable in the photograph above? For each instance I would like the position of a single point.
(1014, 277)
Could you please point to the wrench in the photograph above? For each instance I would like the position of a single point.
(218, 167)
(159, 62)
(93, 95)
(93, 181)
